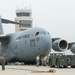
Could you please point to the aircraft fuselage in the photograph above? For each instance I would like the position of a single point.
(26, 45)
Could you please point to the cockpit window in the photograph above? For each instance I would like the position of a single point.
(37, 33)
(40, 33)
(43, 33)
(48, 33)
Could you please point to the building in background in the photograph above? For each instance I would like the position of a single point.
(23, 16)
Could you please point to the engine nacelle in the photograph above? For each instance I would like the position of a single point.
(60, 45)
(73, 48)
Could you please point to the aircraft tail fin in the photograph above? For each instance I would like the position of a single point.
(1, 27)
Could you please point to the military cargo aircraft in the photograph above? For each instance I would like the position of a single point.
(26, 45)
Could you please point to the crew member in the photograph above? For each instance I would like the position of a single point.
(37, 61)
(45, 61)
(2, 59)
(42, 60)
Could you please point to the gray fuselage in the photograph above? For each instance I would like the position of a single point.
(26, 45)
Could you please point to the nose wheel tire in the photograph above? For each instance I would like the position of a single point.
(58, 63)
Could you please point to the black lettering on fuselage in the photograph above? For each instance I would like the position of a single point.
(23, 36)
(32, 40)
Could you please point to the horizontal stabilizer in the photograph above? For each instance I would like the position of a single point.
(9, 21)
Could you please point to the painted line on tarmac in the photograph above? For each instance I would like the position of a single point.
(35, 71)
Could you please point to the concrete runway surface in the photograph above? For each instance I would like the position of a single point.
(33, 70)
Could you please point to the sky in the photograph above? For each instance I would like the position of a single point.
(55, 16)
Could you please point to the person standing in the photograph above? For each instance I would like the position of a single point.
(42, 60)
(45, 61)
(2, 59)
(37, 60)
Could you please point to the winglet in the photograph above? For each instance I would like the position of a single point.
(1, 28)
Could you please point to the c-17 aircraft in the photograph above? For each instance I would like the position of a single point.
(26, 45)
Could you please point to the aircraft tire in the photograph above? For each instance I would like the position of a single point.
(58, 63)
(73, 66)
(65, 66)
(50, 62)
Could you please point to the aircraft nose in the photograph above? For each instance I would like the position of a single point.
(47, 44)
(47, 41)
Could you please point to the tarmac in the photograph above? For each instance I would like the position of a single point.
(33, 70)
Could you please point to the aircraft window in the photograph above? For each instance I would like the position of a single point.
(48, 33)
(23, 14)
(37, 33)
(43, 33)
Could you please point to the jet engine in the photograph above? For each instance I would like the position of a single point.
(73, 48)
(60, 45)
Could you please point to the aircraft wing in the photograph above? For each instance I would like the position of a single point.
(53, 39)
(3, 38)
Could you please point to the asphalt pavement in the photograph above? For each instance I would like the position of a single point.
(33, 70)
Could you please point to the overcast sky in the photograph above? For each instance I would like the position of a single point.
(55, 16)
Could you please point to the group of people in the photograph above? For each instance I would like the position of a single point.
(43, 60)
